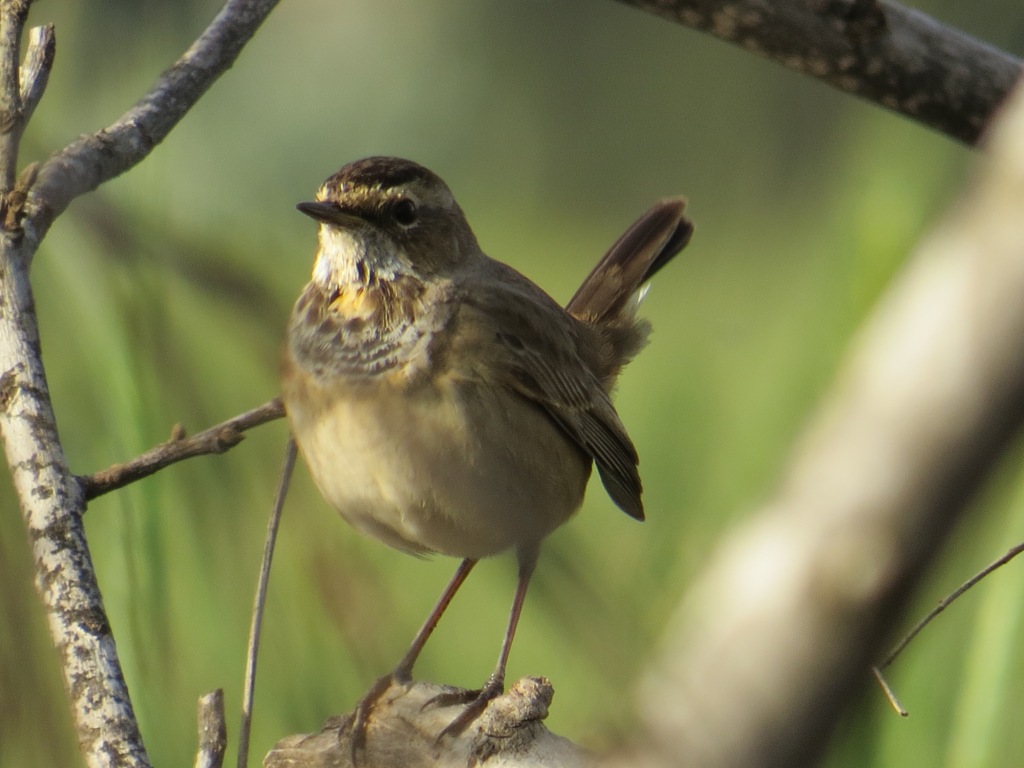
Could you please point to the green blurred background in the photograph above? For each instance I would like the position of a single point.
(163, 297)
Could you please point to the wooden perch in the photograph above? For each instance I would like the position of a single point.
(404, 726)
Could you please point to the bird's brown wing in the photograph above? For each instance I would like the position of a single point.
(522, 339)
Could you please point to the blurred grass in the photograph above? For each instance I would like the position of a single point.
(163, 298)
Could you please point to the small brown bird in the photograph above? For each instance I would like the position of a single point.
(445, 403)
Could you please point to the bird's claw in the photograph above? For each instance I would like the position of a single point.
(359, 721)
(475, 704)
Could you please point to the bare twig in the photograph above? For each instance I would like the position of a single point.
(945, 602)
(13, 14)
(217, 439)
(775, 640)
(942, 605)
(253, 649)
(22, 89)
(35, 72)
(889, 693)
(213, 731)
(894, 56)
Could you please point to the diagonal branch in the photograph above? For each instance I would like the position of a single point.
(896, 57)
(91, 160)
(216, 439)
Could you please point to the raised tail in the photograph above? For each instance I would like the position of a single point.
(608, 298)
(643, 249)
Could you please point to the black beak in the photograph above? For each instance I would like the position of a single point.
(328, 213)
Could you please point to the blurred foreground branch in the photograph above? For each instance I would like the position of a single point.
(51, 498)
(779, 634)
(897, 57)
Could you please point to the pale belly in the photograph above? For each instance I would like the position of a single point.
(458, 469)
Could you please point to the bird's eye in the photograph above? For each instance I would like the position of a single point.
(405, 212)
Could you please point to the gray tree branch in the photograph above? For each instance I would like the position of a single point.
(894, 56)
(779, 634)
(51, 497)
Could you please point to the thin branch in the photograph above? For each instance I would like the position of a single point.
(889, 693)
(945, 602)
(894, 56)
(21, 88)
(217, 439)
(88, 162)
(35, 72)
(262, 584)
(213, 731)
(13, 14)
(33, 76)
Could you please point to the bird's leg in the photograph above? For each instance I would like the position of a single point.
(403, 672)
(495, 684)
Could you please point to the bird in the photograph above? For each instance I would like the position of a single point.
(444, 403)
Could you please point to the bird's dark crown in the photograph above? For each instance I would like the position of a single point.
(380, 174)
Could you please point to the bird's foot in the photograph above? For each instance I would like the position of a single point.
(360, 718)
(475, 704)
